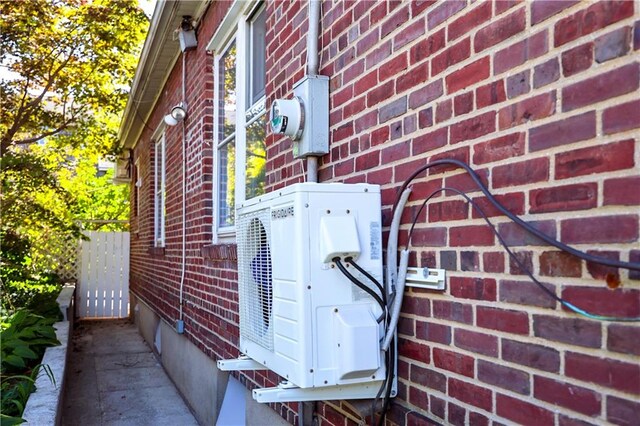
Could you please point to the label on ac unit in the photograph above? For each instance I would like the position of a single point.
(376, 244)
(282, 213)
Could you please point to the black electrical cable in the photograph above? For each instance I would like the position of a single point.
(368, 275)
(385, 313)
(516, 259)
(549, 240)
(383, 387)
(360, 285)
(389, 359)
(144, 123)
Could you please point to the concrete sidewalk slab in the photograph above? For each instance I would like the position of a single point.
(115, 379)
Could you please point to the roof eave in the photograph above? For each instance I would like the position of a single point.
(157, 59)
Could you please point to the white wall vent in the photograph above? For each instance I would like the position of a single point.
(299, 315)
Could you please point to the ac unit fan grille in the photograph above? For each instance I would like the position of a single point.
(255, 285)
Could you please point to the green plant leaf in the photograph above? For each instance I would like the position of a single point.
(25, 352)
(10, 420)
(14, 360)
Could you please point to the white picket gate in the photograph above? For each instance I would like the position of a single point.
(103, 282)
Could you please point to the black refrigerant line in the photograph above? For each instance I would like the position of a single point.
(544, 237)
(516, 259)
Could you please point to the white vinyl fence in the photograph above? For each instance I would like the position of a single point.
(103, 282)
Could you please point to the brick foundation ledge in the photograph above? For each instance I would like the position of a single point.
(44, 406)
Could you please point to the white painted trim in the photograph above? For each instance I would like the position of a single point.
(158, 11)
(229, 24)
(220, 234)
(242, 41)
(159, 216)
(216, 129)
(138, 186)
(234, 26)
(158, 133)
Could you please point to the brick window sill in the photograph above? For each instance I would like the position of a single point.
(220, 252)
(156, 251)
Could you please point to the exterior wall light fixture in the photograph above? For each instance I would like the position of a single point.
(177, 114)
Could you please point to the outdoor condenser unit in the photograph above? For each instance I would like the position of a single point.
(299, 315)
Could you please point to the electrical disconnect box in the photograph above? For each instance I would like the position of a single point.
(305, 117)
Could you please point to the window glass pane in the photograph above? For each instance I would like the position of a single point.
(160, 212)
(159, 195)
(258, 49)
(226, 184)
(227, 85)
(256, 157)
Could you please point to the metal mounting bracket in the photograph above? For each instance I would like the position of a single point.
(433, 279)
(287, 392)
(240, 363)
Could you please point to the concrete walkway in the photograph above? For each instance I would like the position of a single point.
(113, 378)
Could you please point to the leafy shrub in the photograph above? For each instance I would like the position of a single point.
(23, 338)
(38, 296)
(15, 391)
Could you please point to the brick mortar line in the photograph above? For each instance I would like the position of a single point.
(514, 189)
(552, 52)
(548, 24)
(556, 87)
(524, 127)
(585, 280)
(561, 347)
(557, 217)
(600, 177)
(494, 389)
(530, 310)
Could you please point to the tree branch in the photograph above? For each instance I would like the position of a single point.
(63, 126)
(42, 136)
(24, 112)
(51, 80)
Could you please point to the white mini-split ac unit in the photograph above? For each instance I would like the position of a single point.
(300, 316)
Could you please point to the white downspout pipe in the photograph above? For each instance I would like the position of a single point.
(313, 63)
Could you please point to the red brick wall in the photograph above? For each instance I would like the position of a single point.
(542, 99)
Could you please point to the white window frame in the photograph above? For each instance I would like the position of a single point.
(235, 26)
(138, 185)
(159, 189)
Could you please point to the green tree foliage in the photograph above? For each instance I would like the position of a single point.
(33, 210)
(65, 66)
(71, 63)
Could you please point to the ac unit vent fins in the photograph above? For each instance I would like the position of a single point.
(256, 288)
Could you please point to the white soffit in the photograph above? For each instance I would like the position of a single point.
(159, 55)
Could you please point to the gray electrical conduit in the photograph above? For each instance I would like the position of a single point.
(392, 244)
(394, 274)
(397, 301)
(184, 188)
(313, 62)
